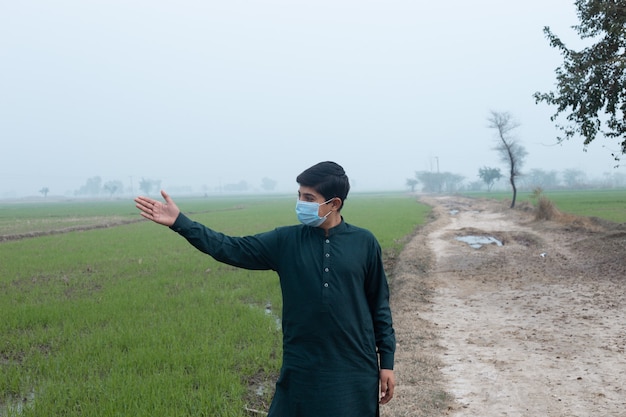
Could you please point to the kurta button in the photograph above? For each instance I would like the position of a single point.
(327, 241)
(326, 285)
(328, 255)
(326, 270)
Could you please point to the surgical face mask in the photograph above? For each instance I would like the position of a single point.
(308, 212)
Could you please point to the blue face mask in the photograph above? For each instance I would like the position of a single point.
(308, 212)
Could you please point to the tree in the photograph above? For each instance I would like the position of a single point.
(44, 191)
(574, 178)
(412, 183)
(489, 176)
(436, 182)
(113, 186)
(475, 186)
(451, 183)
(236, 187)
(511, 152)
(431, 181)
(146, 185)
(92, 187)
(539, 178)
(614, 180)
(591, 83)
(268, 184)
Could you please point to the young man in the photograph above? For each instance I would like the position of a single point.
(338, 339)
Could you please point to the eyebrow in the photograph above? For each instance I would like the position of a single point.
(313, 196)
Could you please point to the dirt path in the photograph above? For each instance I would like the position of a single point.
(535, 327)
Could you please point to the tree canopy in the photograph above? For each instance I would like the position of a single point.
(591, 83)
(489, 176)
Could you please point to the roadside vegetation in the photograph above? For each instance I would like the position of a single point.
(604, 204)
(128, 319)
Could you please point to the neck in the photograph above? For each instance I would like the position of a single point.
(334, 219)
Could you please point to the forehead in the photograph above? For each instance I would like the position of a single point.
(304, 191)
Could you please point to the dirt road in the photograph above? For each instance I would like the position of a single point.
(531, 324)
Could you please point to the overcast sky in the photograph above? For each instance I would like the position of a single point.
(208, 92)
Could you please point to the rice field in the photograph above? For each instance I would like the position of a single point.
(105, 314)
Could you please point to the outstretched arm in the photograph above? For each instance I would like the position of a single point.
(161, 213)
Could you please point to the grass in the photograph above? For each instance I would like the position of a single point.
(21, 218)
(130, 320)
(605, 204)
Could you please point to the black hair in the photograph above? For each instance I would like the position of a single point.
(327, 178)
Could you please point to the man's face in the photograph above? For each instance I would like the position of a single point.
(309, 194)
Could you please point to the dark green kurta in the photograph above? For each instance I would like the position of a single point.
(336, 314)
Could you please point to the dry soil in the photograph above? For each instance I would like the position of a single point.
(534, 327)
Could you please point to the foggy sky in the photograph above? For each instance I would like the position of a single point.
(211, 92)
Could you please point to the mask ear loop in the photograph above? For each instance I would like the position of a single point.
(331, 210)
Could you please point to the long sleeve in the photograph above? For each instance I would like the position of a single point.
(249, 252)
(377, 292)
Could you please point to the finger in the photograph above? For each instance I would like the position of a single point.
(145, 201)
(144, 205)
(386, 391)
(385, 398)
(383, 391)
(166, 196)
(390, 389)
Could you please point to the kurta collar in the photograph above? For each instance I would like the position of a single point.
(337, 229)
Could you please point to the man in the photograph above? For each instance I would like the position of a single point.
(338, 339)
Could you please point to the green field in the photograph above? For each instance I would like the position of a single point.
(104, 314)
(605, 204)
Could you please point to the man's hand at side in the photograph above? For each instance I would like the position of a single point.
(387, 385)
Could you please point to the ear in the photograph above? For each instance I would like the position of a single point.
(336, 203)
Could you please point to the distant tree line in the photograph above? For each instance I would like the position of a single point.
(491, 178)
(96, 187)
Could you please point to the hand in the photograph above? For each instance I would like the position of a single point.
(161, 213)
(387, 384)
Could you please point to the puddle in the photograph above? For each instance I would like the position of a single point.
(269, 312)
(477, 242)
(17, 406)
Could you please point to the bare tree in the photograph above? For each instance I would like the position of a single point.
(511, 152)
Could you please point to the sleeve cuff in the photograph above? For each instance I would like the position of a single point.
(386, 361)
(181, 223)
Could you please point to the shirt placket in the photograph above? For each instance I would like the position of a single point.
(326, 271)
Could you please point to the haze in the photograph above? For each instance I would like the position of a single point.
(198, 94)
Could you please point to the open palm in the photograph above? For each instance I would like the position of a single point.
(157, 211)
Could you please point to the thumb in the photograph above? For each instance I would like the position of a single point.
(166, 196)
